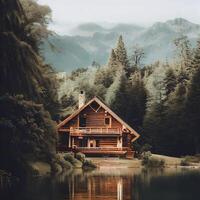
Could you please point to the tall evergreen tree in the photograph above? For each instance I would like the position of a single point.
(193, 101)
(121, 54)
(112, 62)
(169, 82)
(195, 64)
(185, 56)
(22, 70)
(137, 99)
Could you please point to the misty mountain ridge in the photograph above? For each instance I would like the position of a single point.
(93, 42)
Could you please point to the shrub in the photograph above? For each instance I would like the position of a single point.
(88, 164)
(151, 162)
(69, 157)
(194, 159)
(185, 162)
(80, 156)
(146, 148)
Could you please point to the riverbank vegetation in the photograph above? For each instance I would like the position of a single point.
(27, 91)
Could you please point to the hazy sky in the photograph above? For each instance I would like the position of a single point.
(142, 12)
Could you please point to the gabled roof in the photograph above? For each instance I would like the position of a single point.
(97, 100)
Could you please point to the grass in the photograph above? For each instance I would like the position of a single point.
(152, 162)
(193, 159)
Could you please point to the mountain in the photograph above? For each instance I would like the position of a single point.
(64, 53)
(92, 42)
(87, 29)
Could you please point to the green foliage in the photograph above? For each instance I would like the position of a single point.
(104, 77)
(194, 159)
(37, 19)
(80, 156)
(88, 164)
(184, 162)
(169, 82)
(151, 162)
(12, 18)
(26, 134)
(193, 110)
(121, 54)
(77, 73)
(161, 101)
(146, 148)
(70, 157)
(22, 71)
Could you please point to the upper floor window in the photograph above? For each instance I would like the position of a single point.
(107, 121)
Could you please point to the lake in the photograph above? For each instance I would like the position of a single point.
(109, 183)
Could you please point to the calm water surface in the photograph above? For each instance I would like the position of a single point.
(110, 184)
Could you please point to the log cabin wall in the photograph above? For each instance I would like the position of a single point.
(97, 119)
(94, 119)
(107, 142)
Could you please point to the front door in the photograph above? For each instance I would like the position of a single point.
(92, 143)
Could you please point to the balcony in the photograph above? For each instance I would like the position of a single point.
(102, 150)
(84, 131)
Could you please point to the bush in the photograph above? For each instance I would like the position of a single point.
(146, 148)
(151, 162)
(80, 156)
(88, 164)
(194, 159)
(141, 149)
(185, 162)
(70, 158)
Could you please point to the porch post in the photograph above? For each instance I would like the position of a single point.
(88, 142)
(119, 142)
(69, 145)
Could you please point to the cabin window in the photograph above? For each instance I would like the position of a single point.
(107, 121)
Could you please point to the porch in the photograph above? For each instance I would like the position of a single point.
(83, 131)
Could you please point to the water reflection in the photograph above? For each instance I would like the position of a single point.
(110, 184)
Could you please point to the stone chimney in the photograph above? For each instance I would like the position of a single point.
(81, 101)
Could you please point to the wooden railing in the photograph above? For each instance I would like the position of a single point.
(103, 148)
(90, 130)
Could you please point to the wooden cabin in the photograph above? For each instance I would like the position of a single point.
(94, 129)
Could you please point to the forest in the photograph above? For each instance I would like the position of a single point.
(160, 100)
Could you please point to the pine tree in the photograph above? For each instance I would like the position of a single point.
(185, 57)
(137, 99)
(153, 126)
(118, 94)
(22, 70)
(195, 64)
(193, 101)
(169, 82)
(121, 54)
(112, 60)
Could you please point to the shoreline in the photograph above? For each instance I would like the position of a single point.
(113, 162)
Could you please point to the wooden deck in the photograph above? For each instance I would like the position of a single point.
(83, 131)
